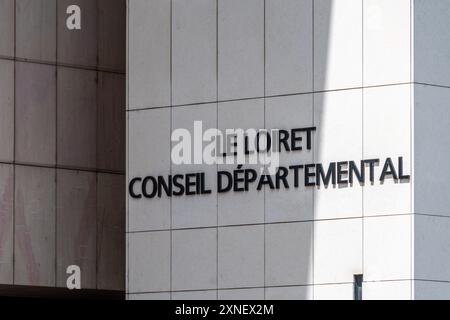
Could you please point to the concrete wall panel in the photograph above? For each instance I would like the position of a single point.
(35, 229)
(36, 29)
(241, 257)
(78, 47)
(431, 248)
(6, 110)
(111, 34)
(342, 291)
(387, 133)
(289, 46)
(337, 116)
(431, 42)
(194, 51)
(198, 211)
(431, 136)
(293, 204)
(241, 49)
(338, 250)
(110, 231)
(243, 114)
(289, 293)
(149, 272)
(7, 22)
(76, 226)
(387, 290)
(242, 294)
(111, 122)
(194, 259)
(77, 118)
(289, 254)
(195, 295)
(387, 248)
(431, 290)
(337, 44)
(6, 223)
(35, 113)
(149, 53)
(387, 42)
(150, 144)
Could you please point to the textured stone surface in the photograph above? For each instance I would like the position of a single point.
(35, 113)
(36, 29)
(35, 229)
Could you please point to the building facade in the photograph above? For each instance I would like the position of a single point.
(369, 76)
(62, 146)
(354, 93)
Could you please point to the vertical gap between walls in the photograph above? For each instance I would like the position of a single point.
(127, 102)
(265, 126)
(14, 151)
(56, 149)
(313, 122)
(362, 140)
(411, 146)
(97, 150)
(170, 142)
(217, 165)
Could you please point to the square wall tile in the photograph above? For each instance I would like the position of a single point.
(198, 210)
(35, 113)
(289, 46)
(7, 223)
(431, 154)
(241, 49)
(343, 291)
(78, 47)
(337, 250)
(149, 262)
(387, 290)
(35, 228)
(241, 207)
(195, 295)
(431, 248)
(111, 122)
(387, 134)
(289, 254)
(337, 44)
(7, 21)
(112, 28)
(77, 118)
(289, 293)
(194, 51)
(6, 110)
(194, 259)
(76, 212)
(387, 42)
(387, 248)
(241, 257)
(431, 42)
(338, 118)
(242, 294)
(293, 204)
(149, 143)
(36, 29)
(110, 231)
(149, 53)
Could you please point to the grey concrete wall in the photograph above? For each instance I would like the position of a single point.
(431, 149)
(62, 143)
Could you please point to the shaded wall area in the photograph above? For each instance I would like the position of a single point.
(62, 143)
